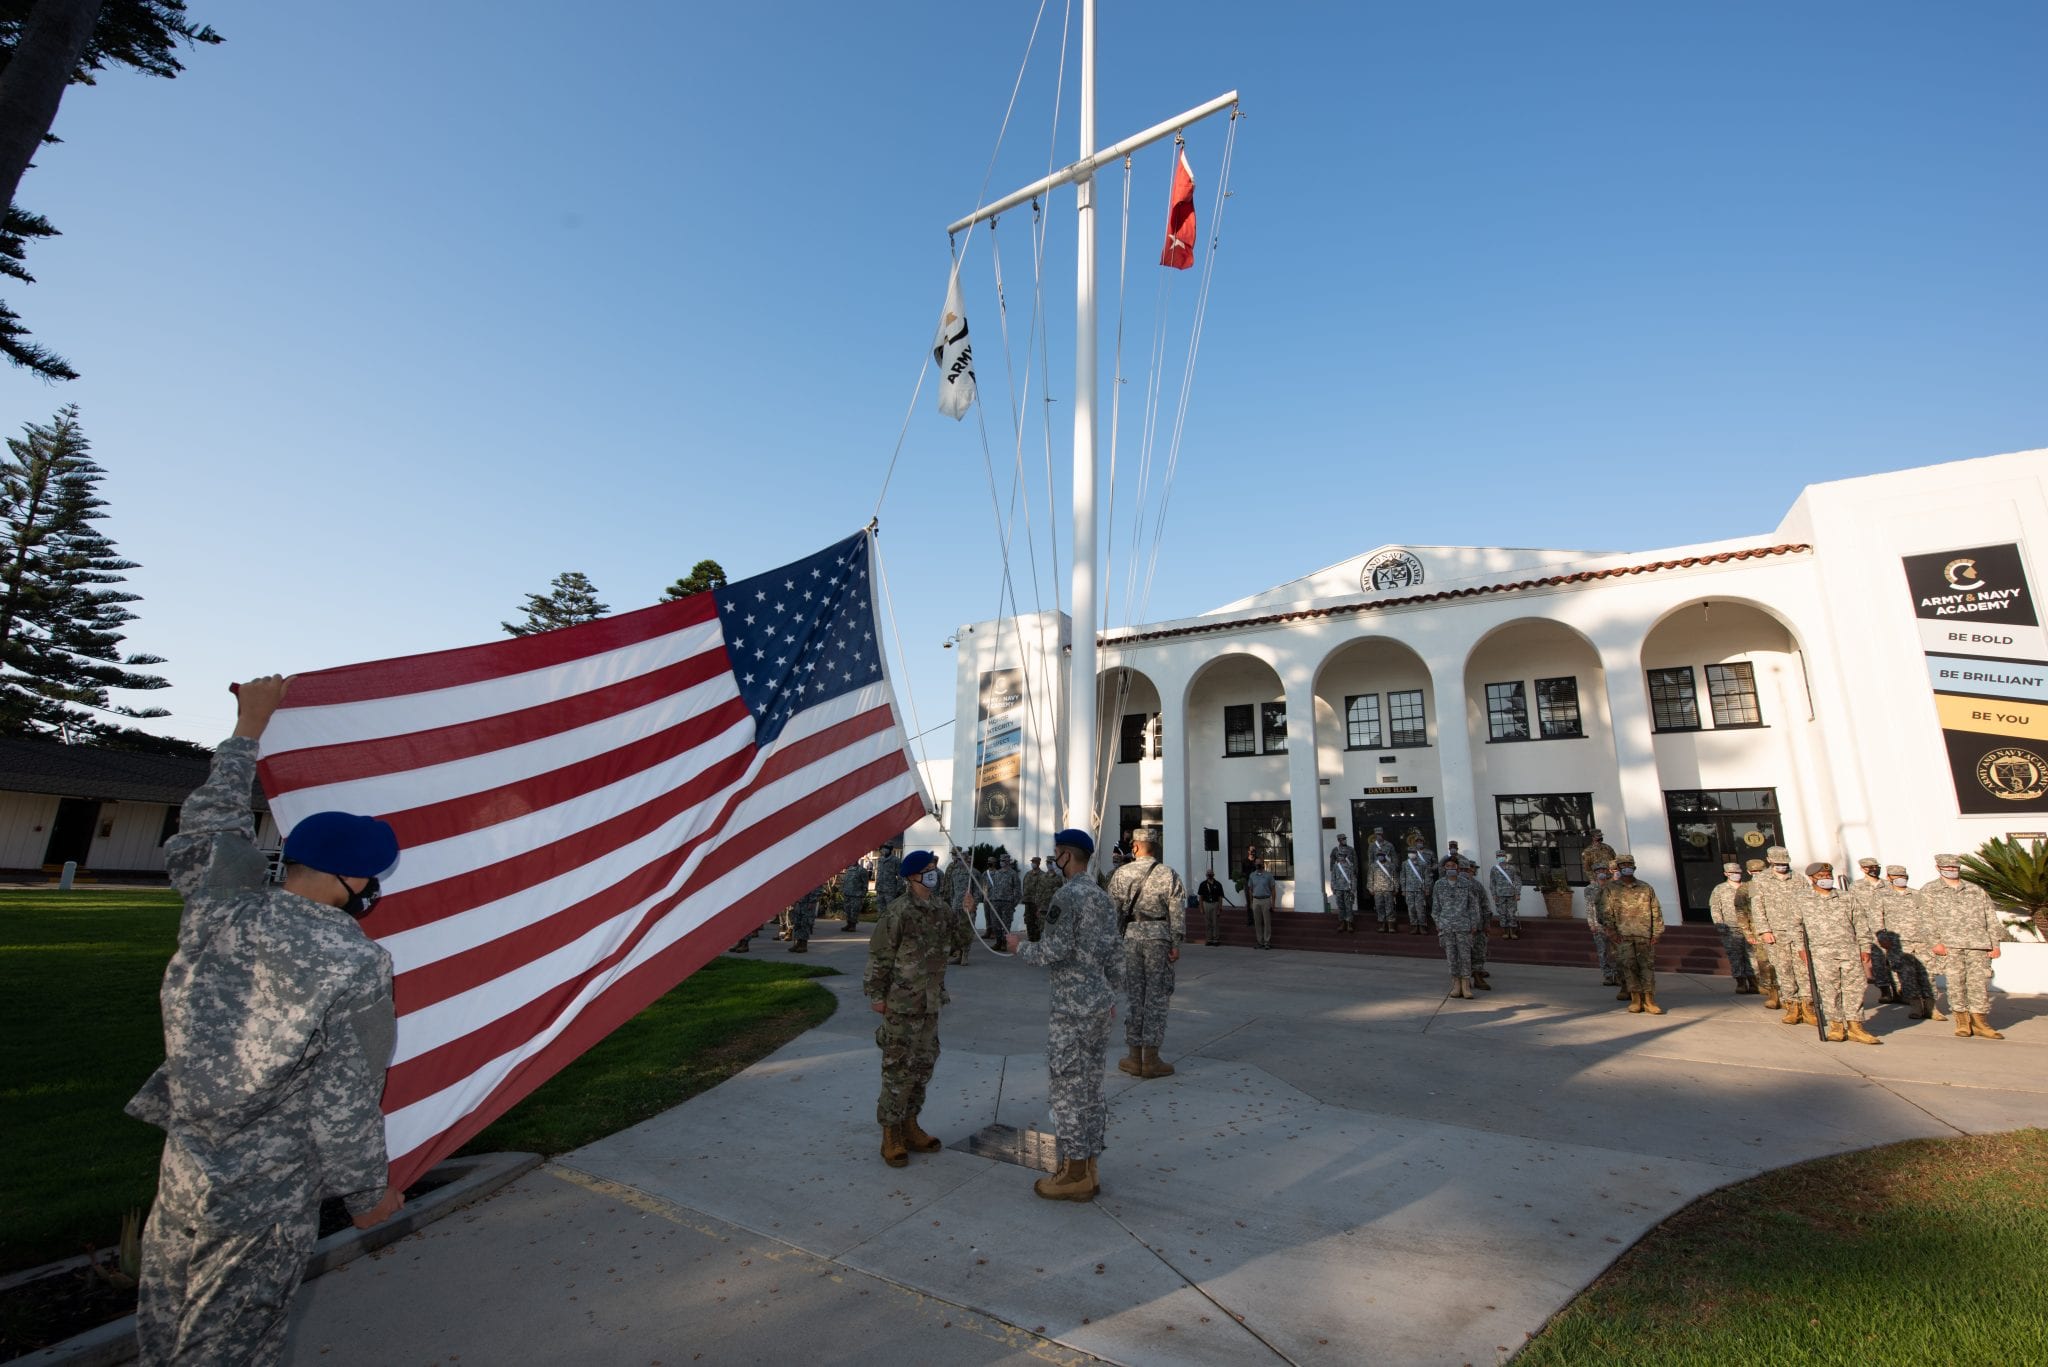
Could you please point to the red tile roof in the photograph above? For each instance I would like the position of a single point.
(1479, 590)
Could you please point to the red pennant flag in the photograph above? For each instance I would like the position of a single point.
(1179, 251)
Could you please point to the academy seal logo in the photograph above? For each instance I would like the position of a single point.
(1962, 574)
(1390, 570)
(2014, 773)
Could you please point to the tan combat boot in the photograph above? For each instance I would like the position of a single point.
(915, 1139)
(1962, 1025)
(1623, 994)
(1635, 1003)
(1837, 1032)
(1771, 1002)
(1458, 988)
(893, 1152)
(1132, 1062)
(1070, 1183)
(1153, 1065)
(1934, 1010)
(1792, 1014)
(1808, 1014)
(1094, 1179)
(1981, 1028)
(1860, 1035)
(1650, 1004)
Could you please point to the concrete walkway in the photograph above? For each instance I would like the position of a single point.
(1348, 1168)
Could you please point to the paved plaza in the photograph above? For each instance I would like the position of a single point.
(1348, 1168)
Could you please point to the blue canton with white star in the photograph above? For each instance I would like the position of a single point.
(801, 635)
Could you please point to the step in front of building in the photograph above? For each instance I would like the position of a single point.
(1565, 944)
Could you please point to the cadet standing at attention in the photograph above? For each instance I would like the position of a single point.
(1597, 880)
(1774, 902)
(1633, 921)
(803, 917)
(278, 1027)
(1150, 898)
(1907, 921)
(1867, 893)
(1966, 933)
(906, 985)
(1380, 879)
(1721, 906)
(1504, 885)
(1037, 889)
(1085, 961)
(1344, 885)
(1765, 977)
(888, 877)
(1837, 956)
(1456, 908)
(1415, 881)
(853, 891)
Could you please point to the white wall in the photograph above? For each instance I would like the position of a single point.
(130, 844)
(25, 820)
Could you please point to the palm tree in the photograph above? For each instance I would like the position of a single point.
(2016, 876)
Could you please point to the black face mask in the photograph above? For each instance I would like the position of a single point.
(359, 904)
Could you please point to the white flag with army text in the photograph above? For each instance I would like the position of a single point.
(954, 355)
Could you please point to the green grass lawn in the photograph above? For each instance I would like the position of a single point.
(1923, 1253)
(80, 1031)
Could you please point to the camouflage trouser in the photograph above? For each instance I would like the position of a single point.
(1609, 974)
(215, 1295)
(803, 918)
(1969, 979)
(1760, 966)
(1034, 921)
(1912, 970)
(1418, 907)
(910, 1050)
(1838, 984)
(1884, 961)
(1212, 913)
(1383, 908)
(1148, 978)
(1635, 958)
(1347, 904)
(1737, 950)
(1510, 910)
(1457, 951)
(1479, 950)
(850, 908)
(1791, 974)
(999, 925)
(1073, 1065)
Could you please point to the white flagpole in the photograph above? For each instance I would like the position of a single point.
(1081, 704)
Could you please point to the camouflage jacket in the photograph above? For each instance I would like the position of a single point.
(1153, 896)
(1344, 855)
(1631, 910)
(907, 953)
(1960, 917)
(853, 884)
(1037, 887)
(1004, 887)
(1901, 911)
(1833, 925)
(1724, 908)
(888, 879)
(1774, 904)
(277, 1029)
(1381, 874)
(1415, 875)
(1081, 948)
(1868, 895)
(1504, 885)
(1455, 904)
(1597, 855)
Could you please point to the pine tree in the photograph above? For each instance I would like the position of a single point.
(60, 620)
(705, 574)
(570, 599)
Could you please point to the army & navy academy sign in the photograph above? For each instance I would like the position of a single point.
(1988, 663)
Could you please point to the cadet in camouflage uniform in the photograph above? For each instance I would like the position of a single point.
(1966, 931)
(1381, 880)
(853, 891)
(278, 1027)
(1037, 889)
(1838, 956)
(906, 985)
(1344, 885)
(1458, 911)
(1905, 920)
(1721, 905)
(1481, 979)
(1774, 901)
(1866, 892)
(1415, 881)
(1150, 897)
(1004, 888)
(1597, 880)
(1504, 886)
(957, 885)
(889, 882)
(1597, 854)
(1632, 920)
(1765, 977)
(803, 918)
(1085, 959)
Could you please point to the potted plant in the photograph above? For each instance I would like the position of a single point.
(2016, 876)
(1557, 895)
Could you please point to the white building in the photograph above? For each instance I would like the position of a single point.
(1870, 678)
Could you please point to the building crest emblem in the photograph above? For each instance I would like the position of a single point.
(1390, 570)
(2013, 772)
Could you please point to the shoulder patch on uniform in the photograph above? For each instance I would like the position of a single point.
(1051, 914)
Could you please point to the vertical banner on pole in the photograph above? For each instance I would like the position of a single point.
(998, 750)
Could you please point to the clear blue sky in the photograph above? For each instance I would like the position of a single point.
(389, 312)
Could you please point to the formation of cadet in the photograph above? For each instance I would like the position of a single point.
(1037, 888)
(1417, 873)
(1344, 885)
(1774, 906)
(803, 918)
(1867, 892)
(905, 984)
(1504, 886)
(1632, 921)
(1085, 961)
(853, 891)
(278, 1027)
(1209, 893)
(1458, 908)
(1729, 906)
(1152, 902)
(1381, 878)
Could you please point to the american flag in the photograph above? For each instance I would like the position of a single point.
(588, 816)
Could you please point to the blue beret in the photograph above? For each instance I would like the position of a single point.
(916, 862)
(343, 843)
(1080, 840)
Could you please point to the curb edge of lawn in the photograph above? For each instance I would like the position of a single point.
(471, 1178)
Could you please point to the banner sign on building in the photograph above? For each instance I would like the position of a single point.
(1987, 661)
(998, 750)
